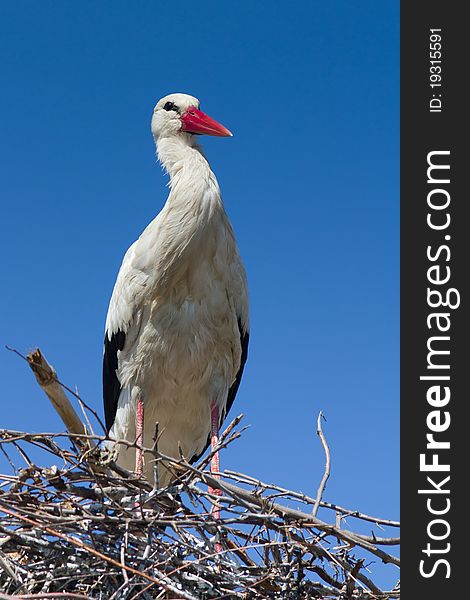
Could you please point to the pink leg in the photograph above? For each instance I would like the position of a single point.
(139, 438)
(215, 463)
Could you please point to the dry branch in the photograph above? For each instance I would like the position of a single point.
(47, 379)
(326, 474)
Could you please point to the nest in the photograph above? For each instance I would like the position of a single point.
(86, 528)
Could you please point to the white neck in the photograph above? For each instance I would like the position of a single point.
(194, 210)
(192, 181)
(179, 151)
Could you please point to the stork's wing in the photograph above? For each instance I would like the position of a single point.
(135, 276)
(244, 338)
(111, 384)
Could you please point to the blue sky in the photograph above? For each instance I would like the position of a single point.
(310, 181)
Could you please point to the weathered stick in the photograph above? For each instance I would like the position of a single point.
(326, 474)
(47, 379)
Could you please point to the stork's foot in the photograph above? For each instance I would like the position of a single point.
(139, 437)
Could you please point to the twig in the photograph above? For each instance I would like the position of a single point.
(308, 500)
(46, 596)
(326, 474)
(355, 539)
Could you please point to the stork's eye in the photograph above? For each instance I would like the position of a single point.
(170, 106)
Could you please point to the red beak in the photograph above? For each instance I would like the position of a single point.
(195, 121)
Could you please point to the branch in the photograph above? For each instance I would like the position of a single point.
(326, 474)
(47, 379)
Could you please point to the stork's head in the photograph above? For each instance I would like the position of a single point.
(179, 113)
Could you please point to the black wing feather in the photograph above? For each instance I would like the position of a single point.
(244, 338)
(111, 384)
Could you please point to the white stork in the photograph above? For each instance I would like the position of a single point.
(177, 328)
